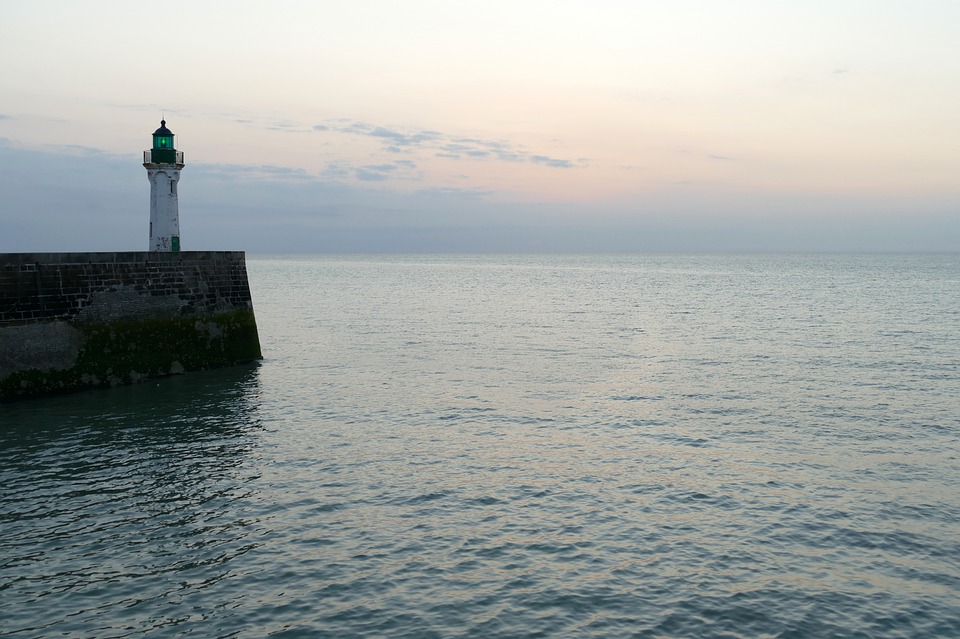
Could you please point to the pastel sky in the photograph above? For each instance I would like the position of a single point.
(520, 125)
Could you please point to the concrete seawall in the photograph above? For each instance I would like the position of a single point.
(76, 320)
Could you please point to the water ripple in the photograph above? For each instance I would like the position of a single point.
(753, 446)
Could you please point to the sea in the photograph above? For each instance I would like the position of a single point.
(730, 446)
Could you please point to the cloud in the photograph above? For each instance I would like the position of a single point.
(708, 156)
(359, 128)
(374, 173)
(394, 140)
(398, 140)
(336, 171)
(401, 169)
(555, 163)
(286, 126)
(231, 172)
(371, 172)
(449, 191)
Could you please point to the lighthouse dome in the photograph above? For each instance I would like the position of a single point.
(163, 130)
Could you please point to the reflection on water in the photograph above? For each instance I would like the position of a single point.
(114, 504)
(209, 402)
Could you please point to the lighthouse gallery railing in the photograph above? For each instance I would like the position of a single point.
(163, 156)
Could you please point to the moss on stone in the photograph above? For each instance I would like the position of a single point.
(116, 353)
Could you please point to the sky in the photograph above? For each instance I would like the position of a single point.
(495, 126)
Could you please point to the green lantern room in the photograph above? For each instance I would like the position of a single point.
(163, 151)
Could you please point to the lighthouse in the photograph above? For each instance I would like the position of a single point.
(163, 163)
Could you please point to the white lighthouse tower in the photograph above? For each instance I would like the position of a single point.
(163, 163)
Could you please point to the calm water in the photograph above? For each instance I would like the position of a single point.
(525, 446)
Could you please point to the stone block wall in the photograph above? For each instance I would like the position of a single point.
(91, 287)
(72, 320)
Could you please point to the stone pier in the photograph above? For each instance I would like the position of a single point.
(70, 321)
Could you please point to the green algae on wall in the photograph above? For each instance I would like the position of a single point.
(113, 354)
